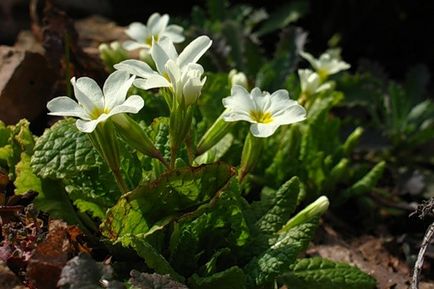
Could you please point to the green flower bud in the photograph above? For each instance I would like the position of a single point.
(314, 210)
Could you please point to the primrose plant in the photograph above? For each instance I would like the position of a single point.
(198, 221)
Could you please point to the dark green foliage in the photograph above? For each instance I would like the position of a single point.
(325, 274)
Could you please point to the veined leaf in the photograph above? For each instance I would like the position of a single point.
(152, 257)
(319, 273)
(284, 203)
(276, 259)
(63, 151)
(175, 192)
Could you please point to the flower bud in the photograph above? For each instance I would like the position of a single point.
(314, 210)
(238, 78)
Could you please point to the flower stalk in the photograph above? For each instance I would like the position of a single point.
(136, 137)
(251, 153)
(104, 140)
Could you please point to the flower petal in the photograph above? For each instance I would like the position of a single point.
(116, 87)
(135, 67)
(173, 72)
(293, 114)
(194, 51)
(167, 44)
(309, 57)
(159, 56)
(154, 81)
(89, 126)
(236, 116)
(160, 25)
(65, 106)
(137, 31)
(174, 32)
(132, 104)
(280, 101)
(239, 101)
(153, 19)
(132, 45)
(263, 130)
(88, 93)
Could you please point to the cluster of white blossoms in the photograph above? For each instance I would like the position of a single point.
(155, 29)
(327, 64)
(183, 76)
(180, 73)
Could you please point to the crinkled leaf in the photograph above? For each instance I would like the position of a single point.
(224, 225)
(25, 179)
(284, 203)
(276, 260)
(82, 272)
(153, 281)
(63, 151)
(93, 191)
(174, 192)
(228, 279)
(152, 257)
(325, 274)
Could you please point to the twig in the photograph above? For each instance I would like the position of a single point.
(423, 210)
(419, 261)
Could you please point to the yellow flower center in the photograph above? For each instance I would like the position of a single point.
(261, 117)
(97, 112)
(148, 40)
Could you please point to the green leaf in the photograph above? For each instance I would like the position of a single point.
(365, 184)
(285, 15)
(93, 191)
(228, 279)
(175, 192)
(210, 102)
(217, 151)
(63, 151)
(352, 141)
(5, 134)
(152, 257)
(284, 203)
(25, 179)
(273, 74)
(53, 200)
(266, 267)
(221, 225)
(325, 274)
(17, 139)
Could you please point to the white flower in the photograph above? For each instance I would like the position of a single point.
(237, 78)
(266, 112)
(310, 82)
(180, 72)
(155, 29)
(328, 63)
(95, 106)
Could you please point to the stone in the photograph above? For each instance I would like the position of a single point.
(26, 83)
